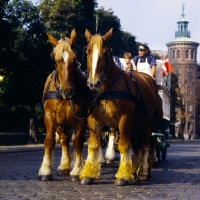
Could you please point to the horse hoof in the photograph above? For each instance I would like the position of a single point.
(63, 172)
(86, 181)
(74, 178)
(121, 182)
(142, 178)
(45, 178)
(135, 176)
(103, 164)
(109, 161)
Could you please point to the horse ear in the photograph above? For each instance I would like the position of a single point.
(72, 37)
(108, 35)
(52, 40)
(88, 35)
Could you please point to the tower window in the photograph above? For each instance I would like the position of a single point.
(192, 54)
(186, 54)
(178, 54)
(173, 54)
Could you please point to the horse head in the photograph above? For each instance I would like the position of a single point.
(65, 59)
(98, 58)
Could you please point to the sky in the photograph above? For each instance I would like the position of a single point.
(155, 21)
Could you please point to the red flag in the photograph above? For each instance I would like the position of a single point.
(166, 67)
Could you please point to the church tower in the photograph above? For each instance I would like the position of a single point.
(182, 53)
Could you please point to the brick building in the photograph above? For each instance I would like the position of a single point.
(182, 53)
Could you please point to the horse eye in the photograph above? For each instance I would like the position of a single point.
(105, 54)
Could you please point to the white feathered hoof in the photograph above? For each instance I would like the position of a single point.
(45, 178)
(74, 178)
(121, 182)
(109, 161)
(103, 164)
(63, 172)
(142, 178)
(86, 181)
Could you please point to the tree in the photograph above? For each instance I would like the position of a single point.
(185, 96)
(30, 64)
(61, 16)
(121, 41)
(157, 56)
(129, 43)
(6, 37)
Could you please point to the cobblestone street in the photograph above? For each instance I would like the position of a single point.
(176, 178)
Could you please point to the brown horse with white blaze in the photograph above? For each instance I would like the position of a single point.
(115, 101)
(64, 99)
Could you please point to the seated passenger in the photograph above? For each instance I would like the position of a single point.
(129, 64)
(117, 61)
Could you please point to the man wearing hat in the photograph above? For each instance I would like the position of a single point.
(144, 62)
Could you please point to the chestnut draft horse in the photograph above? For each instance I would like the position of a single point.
(117, 104)
(64, 99)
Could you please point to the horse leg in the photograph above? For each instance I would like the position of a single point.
(125, 171)
(136, 142)
(101, 158)
(78, 147)
(46, 169)
(153, 155)
(144, 169)
(64, 166)
(137, 159)
(91, 169)
(110, 152)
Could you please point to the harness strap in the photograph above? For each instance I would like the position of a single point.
(81, 118)
(52, 75)
(52, 95)
(56, 79)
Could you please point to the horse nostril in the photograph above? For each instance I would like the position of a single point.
(91, 85)
(98, 83)
(70, 91)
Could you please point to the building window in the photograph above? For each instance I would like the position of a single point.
(186, 54)
(190, 75)
(189, 108)
(178, 54)
(192, 54)
(173, 54)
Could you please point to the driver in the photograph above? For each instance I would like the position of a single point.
(144, 62)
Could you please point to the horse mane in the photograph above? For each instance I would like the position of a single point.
(62, 46)
(96, 39)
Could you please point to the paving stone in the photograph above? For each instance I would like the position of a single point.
(177, 178)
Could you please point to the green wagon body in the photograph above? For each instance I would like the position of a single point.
(162, 143)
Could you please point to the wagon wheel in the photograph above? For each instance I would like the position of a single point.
(164, 154)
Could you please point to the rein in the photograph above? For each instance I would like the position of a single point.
(57, 94)
(107, 62)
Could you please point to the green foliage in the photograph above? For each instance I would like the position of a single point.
(129, 44)
(157, 56)
(61, 16)
(175, 101)
(14, 118)
(121, 41)
(29, 60)
(25, 62)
